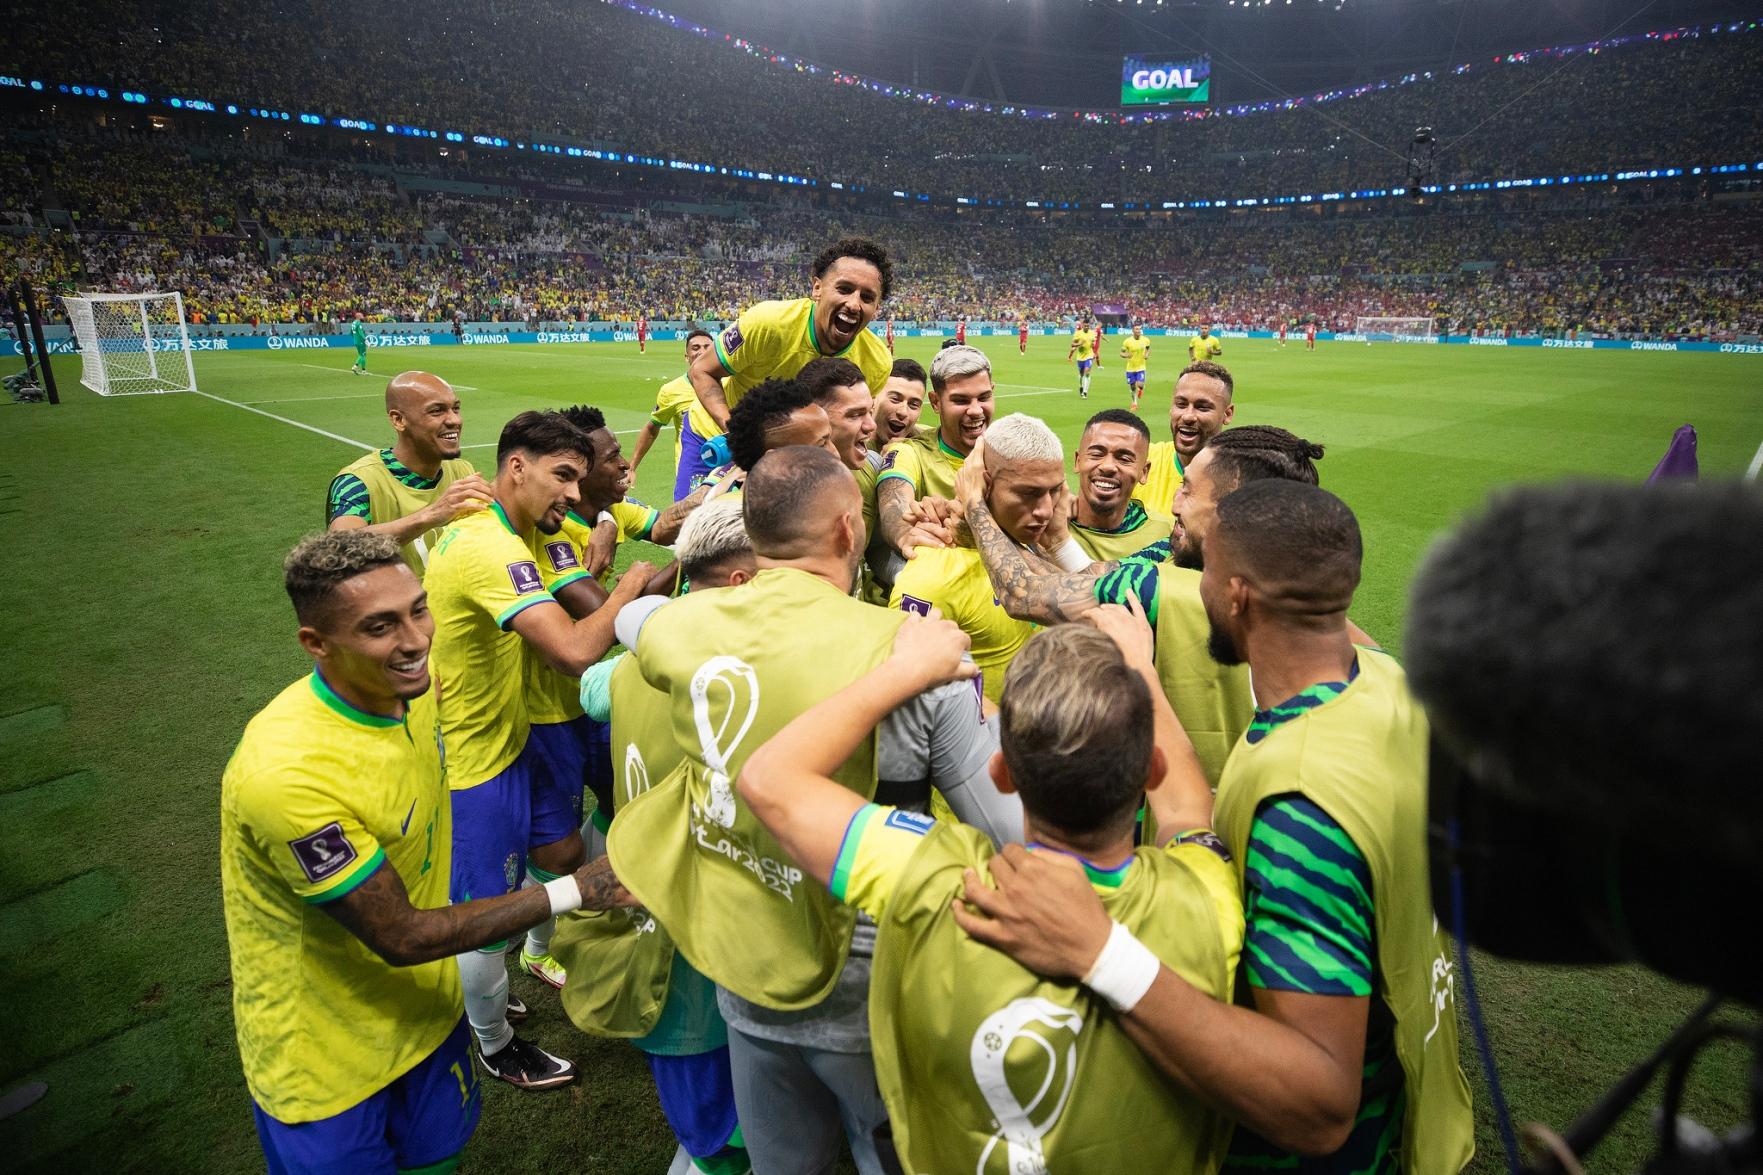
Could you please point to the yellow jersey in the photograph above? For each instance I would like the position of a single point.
(562, 559)
(317, 797)
(480, 577)
(1204, 348)
(924, 462)
(954, 581)
(1139, 529)
(1135, 349)
(1083, 345)
(776, 339)
(676, 403)
(1157, 491)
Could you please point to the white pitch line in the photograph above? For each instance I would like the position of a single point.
(346, 371)
(313, 399)
(1756, 465)
(309, 428)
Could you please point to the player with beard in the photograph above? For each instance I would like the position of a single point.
(1213, 702)
(1111, 459)
(899, 404)
(490, 605)
(1203, 403)
(1342, 1056)
(413, 489)
(772, 340)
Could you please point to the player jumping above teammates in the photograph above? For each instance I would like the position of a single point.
(899, 404)
(413, 489)
(1203, 348)
(1112, 456)
(677, 404)
(1135, 349)
(964, 1036)
(490, 604)
(852, 278)
(642, 334)
(1083, 349)
(1024, 483)
(363, 1060)
(925, 466)
(358, 334)
(1346, 1043)
(1203, 403)
(1022, 336)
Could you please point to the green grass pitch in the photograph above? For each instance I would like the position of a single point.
(144, 623)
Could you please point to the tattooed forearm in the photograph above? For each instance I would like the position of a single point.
(1045, 598)
(893, 502)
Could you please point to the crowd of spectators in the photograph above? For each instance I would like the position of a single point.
(544, 67)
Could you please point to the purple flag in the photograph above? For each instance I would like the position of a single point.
(1680, 457)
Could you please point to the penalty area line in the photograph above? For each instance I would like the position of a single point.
(284, 420)
(1756, 465)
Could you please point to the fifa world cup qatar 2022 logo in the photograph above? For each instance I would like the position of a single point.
(1024, 1060)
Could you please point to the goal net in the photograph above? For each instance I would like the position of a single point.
(1394, 330)
(131, 343)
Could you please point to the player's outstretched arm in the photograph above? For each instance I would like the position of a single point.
(667, 526)
(379, 913)
(787, 783)
(1289, 1069)
(469, 493)
(894, 514)
(645, 438)
(1025, 592)
(571, 646)
(706, 374)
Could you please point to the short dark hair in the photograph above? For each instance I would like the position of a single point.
(1256, 452)
(1299, 542)
(1132, 420)
(820, 376)
(542, 434)
(585, 418)
(320, 563)
(698, 331)
(761, 410)
(911, 369)
(1217, 371)
(778, 495)
(863, 249)
(1077, 731)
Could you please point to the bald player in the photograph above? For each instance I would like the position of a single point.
(416, 487)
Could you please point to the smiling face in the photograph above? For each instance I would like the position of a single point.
(610, 478)
(1112, 459)
(1196, 508)
(965, 407)
(850, 415)
(898, 408)
(846, 299)
(545, 489)
(425, 412)
(373, 642)
(1201, 408)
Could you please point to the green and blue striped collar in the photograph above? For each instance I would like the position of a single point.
(1266, 721)
(1102, 876)
(503, 516)
(406, 475)
(1135, 518)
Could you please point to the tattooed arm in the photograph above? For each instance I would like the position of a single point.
(379, 913)
(1045, 597)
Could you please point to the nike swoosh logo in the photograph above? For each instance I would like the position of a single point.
(405, 827)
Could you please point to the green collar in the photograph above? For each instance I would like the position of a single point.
(1135, 518)
(943, 446)
(334, 700)
(407, 475)
(503, 516)
(1175, 455)
(814, 335)
(1104, 876)
(1266, 721)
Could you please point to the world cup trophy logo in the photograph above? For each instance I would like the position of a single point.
(1024, 1060)
(737, 689)
(636, 773)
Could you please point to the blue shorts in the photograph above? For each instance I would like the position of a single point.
(575, 753)
(697, 1096)
(692, 466)
(1134, 378)
(1083, 366)
(496, 822)
(421, 1119)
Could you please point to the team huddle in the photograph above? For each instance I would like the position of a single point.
(928, 806)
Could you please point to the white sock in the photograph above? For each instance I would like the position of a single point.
(1084, 385)
(484, 976)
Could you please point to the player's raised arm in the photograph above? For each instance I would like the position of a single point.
(571, 646)
(707, 373)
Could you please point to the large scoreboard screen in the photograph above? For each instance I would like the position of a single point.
(1158, 81)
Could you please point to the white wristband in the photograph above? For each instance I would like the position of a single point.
(565, 894)
(1071, 556)
(605, 516)
(1124, 971)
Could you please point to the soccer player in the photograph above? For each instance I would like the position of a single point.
(975, 1053)
(899, 404)
(605, 489)
(489, 605)
(925, 466)
(852, 278)
(961, 332)
(335, 857)
(1097, 348)
(1213, 702)
(1135, 349)
(411, 490)
(890, 334)
(1112, 457)
(1024, 477)
(1203, 348)
(791, 964)
(1347, 1044)
(1083, 349)
(1282, 334)
(677, 404)
(358, 334)
(1310, 335)
(1022, 336)
(1202, 405)
(782, 413)
(642, 334)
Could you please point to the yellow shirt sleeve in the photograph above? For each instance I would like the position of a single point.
(752, 341)
(878, 843)
(501, 576)
(634, 519)
(314, 841)
(903, 460)
(562, 557)
(1219, 879)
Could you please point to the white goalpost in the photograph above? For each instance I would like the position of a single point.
(1394, 330)
(132, 344)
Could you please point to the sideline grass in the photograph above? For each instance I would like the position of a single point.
(145, 623)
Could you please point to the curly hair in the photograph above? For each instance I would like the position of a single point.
(761, 410)
(321, 562)
(863, 249)
(1217, 371)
